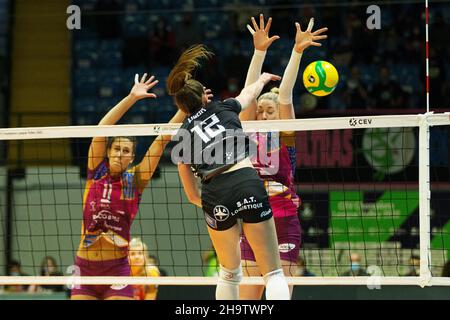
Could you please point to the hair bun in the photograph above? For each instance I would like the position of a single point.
(275, 90)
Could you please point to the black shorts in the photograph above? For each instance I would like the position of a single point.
(235, 195)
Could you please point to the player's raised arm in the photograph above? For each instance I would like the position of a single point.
(151, 159)
(249, 94)
(147, 166)
(97, 150)
(261, 42)
(303, 40)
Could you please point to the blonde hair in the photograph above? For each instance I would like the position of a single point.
(187, 91)
(272, 95)
(137, 242)
(140, 246)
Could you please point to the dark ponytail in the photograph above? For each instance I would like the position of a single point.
(187, 91)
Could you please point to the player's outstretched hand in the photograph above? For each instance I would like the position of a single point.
(267, 77)
(141, 87)
(305, 39)
(260, 34)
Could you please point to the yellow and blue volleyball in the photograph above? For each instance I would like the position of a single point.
(320, 78)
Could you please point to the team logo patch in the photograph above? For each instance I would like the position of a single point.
(286, 247)
(221, 213)
(210, 221)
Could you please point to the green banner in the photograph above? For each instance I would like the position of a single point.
(356, 220)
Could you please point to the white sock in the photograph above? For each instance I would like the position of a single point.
(276, 286)
(228, 285)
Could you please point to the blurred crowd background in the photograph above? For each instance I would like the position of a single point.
(379, 69)
(382, 71)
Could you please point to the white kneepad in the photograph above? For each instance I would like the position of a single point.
(228, 286)
(276, 286)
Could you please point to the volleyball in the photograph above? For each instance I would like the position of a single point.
(320, 78)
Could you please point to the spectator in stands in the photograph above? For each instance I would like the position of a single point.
(414, 266)
(387, 93)
(232, 89)
(439, 32)
(413, 45)
(391, 47)
(438, 84)
(284, 14)
(48, 268)
(135, 51)
(108, 21)
(356, 270)
(187, 33)
(238, 16)
(355, 93)
(14, 270)
(162, 44)
(142, 267)
(235, 62)
(446, 270)
(302, 269)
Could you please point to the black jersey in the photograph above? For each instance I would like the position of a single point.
(212, 139)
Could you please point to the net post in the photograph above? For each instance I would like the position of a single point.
(424, 201)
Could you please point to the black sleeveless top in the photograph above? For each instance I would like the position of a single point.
(212, 139)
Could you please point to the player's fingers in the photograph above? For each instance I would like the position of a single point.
(319, 37)
(261, 21)
(250, 29)
(255, 25)
(310, 25)
(143, 78)
(275, 77)
(150, 80)
(136, 78)
(317, 32)
(269, 24)
(152, 84)
(272, 39)
(315, 44)
(297, 25)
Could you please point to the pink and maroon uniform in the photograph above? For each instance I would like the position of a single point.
(280, 185)
(110, 205)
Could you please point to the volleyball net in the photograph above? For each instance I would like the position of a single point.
(373, 187)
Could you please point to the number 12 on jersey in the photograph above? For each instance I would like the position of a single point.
(211, 130)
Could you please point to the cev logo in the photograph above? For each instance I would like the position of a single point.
(358, 122)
